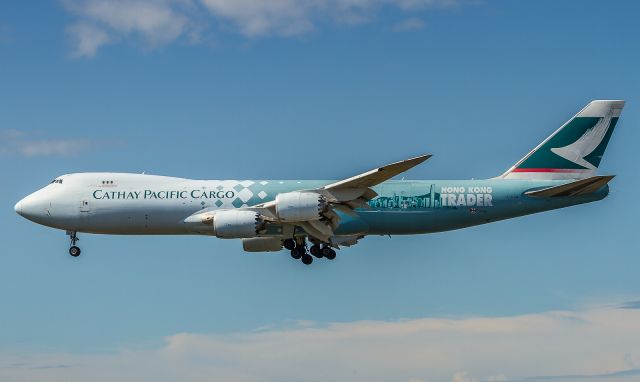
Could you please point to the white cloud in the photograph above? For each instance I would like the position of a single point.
(87, 39)
(422, 4)
(16, 142)
(159, 22)
(258, 17)
(463, 376)
(409, 24)
(597, 344)
(154, 22)
(52, 147)
(294, 17)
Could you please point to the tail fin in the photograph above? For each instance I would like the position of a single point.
(574, 150)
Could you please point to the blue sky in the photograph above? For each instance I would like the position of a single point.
(223, 89)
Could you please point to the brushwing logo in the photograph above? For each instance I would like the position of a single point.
(586, 144)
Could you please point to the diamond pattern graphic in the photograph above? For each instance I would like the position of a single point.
(219, 202)
(237, 203)
(246, 183)
(262, 194)
(245, 195)
(264, 183)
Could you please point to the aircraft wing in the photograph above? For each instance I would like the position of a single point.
(343, 197)
(378, 175)
(355, 191)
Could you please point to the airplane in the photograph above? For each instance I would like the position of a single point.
(313, 218)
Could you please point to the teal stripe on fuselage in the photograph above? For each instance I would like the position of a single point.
(401, 207)
(422, 214)
(426, 206)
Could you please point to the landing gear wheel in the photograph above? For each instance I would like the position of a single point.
(289, 244)
(74, 251)
(307, 259)
(316, 251)
(295, 254)
(329, 253)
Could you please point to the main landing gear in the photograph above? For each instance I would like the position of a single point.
(74, 250)
(322, 251)
(328, 252)
(289, 244)
(299, 251)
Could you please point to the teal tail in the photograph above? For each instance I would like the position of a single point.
(574, 150)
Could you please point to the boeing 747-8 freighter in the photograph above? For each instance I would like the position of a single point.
(312, 218)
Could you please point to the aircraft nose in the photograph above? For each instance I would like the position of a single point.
(33, 207)
(18, 208)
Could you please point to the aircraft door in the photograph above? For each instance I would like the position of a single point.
(84, 206)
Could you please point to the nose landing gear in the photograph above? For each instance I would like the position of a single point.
(74, 250)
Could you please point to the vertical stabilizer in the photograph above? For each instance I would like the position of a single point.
(574, 150)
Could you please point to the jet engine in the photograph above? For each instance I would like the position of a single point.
(300, 206)
(235, 224)
(262, 244)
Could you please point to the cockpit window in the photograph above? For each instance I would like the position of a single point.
(56, 181)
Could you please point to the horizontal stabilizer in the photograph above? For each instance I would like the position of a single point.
(579, 187)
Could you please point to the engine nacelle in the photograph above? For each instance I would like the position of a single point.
(262, 244)
(300, 206)
(236, 224)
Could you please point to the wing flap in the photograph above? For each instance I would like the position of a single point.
(579, 187)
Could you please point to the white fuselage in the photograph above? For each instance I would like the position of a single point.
(139, 204)
(134, 204)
